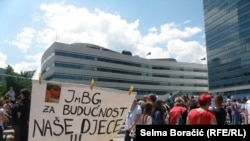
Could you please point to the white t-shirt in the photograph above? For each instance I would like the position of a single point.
(149, 120)
(11, 95)
(2, 111)
(248, 110)
(131, 116)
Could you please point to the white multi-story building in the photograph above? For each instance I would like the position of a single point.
(81, 62)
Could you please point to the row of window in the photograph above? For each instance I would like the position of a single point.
(195, 78)
(112, 70)
(87, 57)
(103, 79)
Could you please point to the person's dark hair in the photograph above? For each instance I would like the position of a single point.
(1, 103)
(25, 92)
(158, 106)
(148, 108)
(53, 86)
(219, 99)
(153, 97)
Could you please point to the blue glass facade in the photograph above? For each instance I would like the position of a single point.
(227, 30)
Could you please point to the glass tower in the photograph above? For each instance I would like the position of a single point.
(227, 30)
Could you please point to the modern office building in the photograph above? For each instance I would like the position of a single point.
(227, 30)
(80, 63)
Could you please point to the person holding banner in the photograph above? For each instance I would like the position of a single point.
(133, 118)
(23, 114)
(15, 119)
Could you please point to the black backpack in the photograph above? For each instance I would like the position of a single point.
(180, 120)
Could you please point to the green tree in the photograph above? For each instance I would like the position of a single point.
(25, 79)
(2, 87)
(18, 81)
(9, 77)
(2, 81)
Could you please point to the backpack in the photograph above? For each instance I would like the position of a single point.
(179, 120)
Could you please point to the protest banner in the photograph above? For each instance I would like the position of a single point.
(75, 112)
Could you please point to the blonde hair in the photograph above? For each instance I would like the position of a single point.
(178, 101)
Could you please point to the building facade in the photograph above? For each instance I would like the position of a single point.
(80, 63)
(227, 30)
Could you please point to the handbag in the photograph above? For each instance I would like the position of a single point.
(132, 133)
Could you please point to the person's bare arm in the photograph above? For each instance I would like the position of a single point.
(18, 114)
(213, 121)
(7, 94)
(2, 117)
(187, 121)
(137, 118)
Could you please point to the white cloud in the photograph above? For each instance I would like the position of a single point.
(74, 24)
(3, 58)
(171, 31)
(191, 51)
(108, 30)
(33, 63)
(69, 24)
(24, 66)
(187, 21)
(24, 39)
(36, 57)
(153, 29)
(46, 37)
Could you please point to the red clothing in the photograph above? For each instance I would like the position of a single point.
(173, 114)
(204, 117)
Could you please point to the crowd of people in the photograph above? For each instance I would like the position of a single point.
(14, 114)
(205, 109)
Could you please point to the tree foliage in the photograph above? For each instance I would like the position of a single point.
(9, 79)
(17, 81)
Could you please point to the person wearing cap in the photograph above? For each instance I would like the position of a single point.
(202, 115)
(179, 107)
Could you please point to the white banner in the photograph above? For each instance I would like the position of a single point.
(71, 112)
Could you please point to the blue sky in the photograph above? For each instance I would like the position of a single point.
(166, 28)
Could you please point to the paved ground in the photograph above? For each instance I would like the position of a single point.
(119, 137)
(9, 137)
